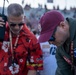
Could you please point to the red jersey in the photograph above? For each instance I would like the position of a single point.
(27, 55)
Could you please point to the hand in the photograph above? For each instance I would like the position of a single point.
(2, 23)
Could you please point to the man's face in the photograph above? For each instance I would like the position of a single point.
(15, 23)
(61, 34)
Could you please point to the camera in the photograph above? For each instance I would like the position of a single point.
(2, 29)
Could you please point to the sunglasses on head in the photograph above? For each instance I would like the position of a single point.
(13, 24)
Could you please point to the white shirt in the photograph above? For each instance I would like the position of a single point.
(49, 60)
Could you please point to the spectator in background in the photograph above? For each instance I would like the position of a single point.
(63, 32)
(29, 25)
(35, 33)
(49, 60)
(20, 53)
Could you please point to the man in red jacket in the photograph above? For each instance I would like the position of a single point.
(20, 54)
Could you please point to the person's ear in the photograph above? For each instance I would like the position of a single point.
(62, 24)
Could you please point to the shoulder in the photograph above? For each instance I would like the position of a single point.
(28, 33)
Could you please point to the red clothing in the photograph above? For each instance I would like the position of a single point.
(28, 54)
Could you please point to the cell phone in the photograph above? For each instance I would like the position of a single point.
(2, 29)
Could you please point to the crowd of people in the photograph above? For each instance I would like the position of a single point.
(33, 14)
(37, 41)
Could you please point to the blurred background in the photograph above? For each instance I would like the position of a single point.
(34, 9)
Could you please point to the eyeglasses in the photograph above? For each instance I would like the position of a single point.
(13, 24)
(52, 38)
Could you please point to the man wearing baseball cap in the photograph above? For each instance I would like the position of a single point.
(62, 32)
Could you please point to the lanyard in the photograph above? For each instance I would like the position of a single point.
(13, 48)
(72, 55)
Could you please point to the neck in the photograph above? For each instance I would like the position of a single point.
(14, 35)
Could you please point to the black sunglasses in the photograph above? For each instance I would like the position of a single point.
(52, 38)
(13, 24)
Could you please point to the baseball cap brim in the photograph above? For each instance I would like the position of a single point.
(45, 37)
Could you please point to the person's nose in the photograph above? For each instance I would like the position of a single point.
(17, 26)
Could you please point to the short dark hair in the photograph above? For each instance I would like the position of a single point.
(15, 10)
